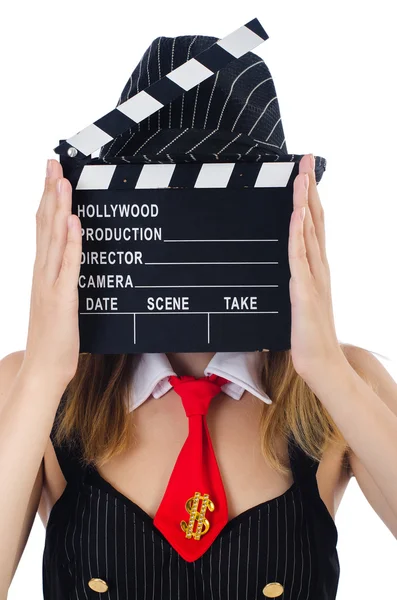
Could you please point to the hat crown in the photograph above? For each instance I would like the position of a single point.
(236, 111)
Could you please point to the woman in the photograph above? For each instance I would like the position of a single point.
(286, 449)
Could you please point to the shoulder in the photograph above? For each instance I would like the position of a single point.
(357, 354)
(371, 369)
(12, 362)
(9, 367)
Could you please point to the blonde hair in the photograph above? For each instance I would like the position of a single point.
(95, 411)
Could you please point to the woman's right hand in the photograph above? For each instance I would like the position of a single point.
(52, 348)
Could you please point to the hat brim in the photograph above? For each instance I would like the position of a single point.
(197, 145)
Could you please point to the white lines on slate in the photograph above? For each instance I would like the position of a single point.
(220, 240)
(175, 312)
(215, 263)
(206, 286)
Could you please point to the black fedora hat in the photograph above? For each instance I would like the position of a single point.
(231, 117)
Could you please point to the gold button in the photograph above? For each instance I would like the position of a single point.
(273, 590)
(98, 585)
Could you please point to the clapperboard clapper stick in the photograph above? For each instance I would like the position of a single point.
(184, 257)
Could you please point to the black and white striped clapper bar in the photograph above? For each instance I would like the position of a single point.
(180, 257)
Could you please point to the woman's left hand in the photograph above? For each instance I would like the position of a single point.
(314, 344)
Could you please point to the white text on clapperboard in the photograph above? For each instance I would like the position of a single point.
(105, 235)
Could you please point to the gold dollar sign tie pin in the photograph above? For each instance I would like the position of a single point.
(192, 506)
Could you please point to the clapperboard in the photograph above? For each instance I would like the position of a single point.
(184, 257)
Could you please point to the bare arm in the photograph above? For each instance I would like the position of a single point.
(9, 368)
(32, 382)
(386, 388)
(367, 418)
(27, 411)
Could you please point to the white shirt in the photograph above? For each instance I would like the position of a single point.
(242, 369)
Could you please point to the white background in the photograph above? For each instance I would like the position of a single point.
(65, 64)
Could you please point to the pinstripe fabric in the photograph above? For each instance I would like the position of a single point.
(95, 531)
(233, 102)
(158, 95)
(232, 116)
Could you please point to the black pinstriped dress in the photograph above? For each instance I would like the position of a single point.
(94, 531)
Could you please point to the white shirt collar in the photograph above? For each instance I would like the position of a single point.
(242, 369)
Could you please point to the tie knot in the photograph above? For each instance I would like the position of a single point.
(197, 393)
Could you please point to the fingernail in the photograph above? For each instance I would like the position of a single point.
(59, 186)
(306, 180)
(312, 161)
(49, 168)
(302, 213)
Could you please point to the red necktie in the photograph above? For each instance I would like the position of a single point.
(193, 509)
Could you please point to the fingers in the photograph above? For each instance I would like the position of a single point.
(299, 266)
(58, 231)
(313, 255)
(45, 213)
(316, 208)
(70, 267)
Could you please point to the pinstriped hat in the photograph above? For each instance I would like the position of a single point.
(233, 116)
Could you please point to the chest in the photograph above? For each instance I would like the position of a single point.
(159, 429)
